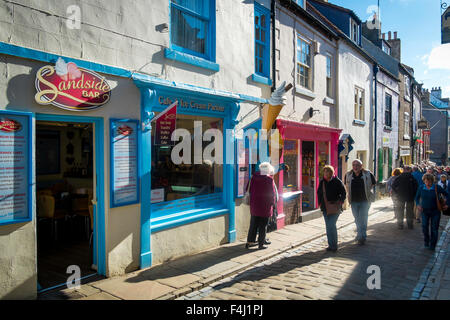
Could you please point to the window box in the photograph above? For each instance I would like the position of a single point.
(304, 92)
(328, 100)
(261, 79)
(190, 59)
(359, 122)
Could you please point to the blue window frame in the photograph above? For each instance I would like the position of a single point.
(192, 27)
(262, 41)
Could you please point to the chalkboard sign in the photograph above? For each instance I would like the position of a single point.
(15, 167)
(124, 162)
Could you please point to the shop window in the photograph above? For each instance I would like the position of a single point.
(359, 104)
(262, 41)
(290, 178)
(192, 27)
(324, 155)
(176, 181)
(304, 64)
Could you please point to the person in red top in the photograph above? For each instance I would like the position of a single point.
(262, 199)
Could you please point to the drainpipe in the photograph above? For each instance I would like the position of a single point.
(375, 72)
(274, 72)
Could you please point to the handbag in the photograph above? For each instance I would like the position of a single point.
(439, 201)
(246, 199)
(332, 207)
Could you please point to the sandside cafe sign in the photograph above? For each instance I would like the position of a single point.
(69, 87)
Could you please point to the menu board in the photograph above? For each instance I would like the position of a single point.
(15, 167)
(124, 162)
(243, 168)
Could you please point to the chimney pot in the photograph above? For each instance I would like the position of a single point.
(395, 35)
(384, 36)
(389, 35)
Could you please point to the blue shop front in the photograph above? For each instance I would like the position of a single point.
(189, 205)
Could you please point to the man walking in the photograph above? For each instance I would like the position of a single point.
(405, 186)
(359, 183)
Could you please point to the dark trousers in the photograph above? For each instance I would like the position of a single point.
(399, 209)
(257, 225)
(435, 218)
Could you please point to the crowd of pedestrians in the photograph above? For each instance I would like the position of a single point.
(420, 193)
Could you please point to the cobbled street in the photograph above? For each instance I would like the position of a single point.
(310, 272)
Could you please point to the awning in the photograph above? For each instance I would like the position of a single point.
(345, 145)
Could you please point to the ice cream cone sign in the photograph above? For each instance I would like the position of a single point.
(269, 114)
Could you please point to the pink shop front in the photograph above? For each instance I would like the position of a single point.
(306, 149)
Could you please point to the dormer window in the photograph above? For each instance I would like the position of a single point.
(354, 31)
(386, 48)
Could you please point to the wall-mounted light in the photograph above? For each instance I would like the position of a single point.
(163, 27)
(311, 112)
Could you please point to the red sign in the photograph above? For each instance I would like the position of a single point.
(69, 87)
(8, 125)
(165, 124)
(125, 130)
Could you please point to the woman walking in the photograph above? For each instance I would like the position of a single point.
(427, 203)
(331, 194)
(262, 199)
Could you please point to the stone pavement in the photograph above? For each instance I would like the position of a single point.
(311, 273)
(185, 277)
(437, 273)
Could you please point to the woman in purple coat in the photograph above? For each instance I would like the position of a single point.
(262, 199)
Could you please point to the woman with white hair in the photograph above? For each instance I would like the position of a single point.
(262, 200)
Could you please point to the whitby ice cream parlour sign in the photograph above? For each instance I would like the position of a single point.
(70, 87)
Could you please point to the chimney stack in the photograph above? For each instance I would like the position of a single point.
(384, 36)
(389, 35)
(395, 34)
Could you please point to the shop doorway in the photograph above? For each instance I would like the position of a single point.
(308, 176)
(65, 190)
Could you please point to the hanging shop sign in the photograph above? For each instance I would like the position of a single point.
(165, 125)
(70, 87)
(15, 167)
(124, 162)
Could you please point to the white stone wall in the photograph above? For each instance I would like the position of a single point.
(298, 102)
(355, 71)
(387, 84)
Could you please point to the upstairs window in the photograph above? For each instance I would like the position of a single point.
(359, 104)
(262, 41)
(191, 27)
(329, 77)
(407, 87)
(388, 110)
(304, 63)
(354, 31)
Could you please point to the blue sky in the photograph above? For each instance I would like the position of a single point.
(418, 24)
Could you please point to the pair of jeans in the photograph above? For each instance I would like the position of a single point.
(257, 225)
(360, 212)
(330, 223)
(400, 213)
(434, 217)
